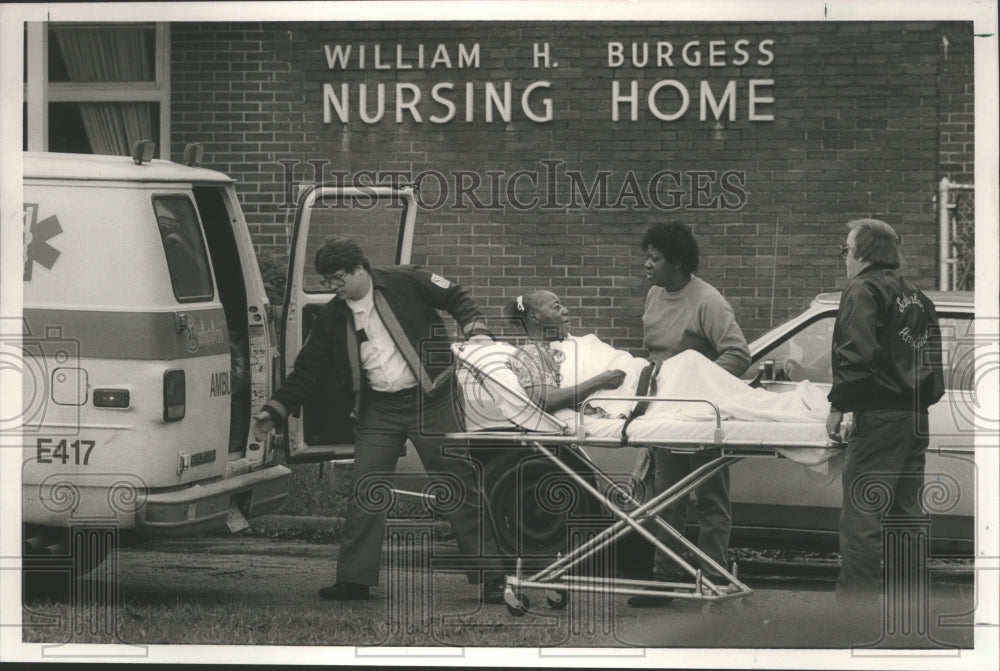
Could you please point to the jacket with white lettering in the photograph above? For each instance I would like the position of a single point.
(327, 375)
(886, 352)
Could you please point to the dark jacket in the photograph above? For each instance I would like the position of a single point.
(330, 359)
(886, 352)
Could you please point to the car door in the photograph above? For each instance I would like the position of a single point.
(380, 220)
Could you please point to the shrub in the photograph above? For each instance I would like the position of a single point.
(273, 269)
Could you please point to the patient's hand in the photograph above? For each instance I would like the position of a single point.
(572, 396)
(611, 379)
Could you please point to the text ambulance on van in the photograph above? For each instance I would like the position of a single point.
(146, 344)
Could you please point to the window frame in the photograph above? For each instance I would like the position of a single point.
(200, 247)
(364, 204)
(39, 91)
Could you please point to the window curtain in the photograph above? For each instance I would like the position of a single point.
(110, 55)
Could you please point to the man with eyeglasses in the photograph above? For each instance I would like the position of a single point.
(886, 362)
(380, 342)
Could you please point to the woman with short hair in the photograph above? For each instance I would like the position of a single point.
(684, 312)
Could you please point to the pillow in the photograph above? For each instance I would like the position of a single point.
(491, 395)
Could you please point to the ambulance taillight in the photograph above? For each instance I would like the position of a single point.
(174, 395)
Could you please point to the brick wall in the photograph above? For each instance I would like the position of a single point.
(866, 118)
(956, 157)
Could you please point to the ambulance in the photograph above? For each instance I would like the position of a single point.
(146, 342)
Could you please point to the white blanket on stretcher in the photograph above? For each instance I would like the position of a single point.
(493, 399)
(688, 375)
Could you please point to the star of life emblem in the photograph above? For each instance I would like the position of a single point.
(36, 237)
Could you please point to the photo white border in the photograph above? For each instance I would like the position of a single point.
(984, 15)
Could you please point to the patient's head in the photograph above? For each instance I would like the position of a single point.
(541, 313)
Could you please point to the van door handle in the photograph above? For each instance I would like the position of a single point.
(183, 322)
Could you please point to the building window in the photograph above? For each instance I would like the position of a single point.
(105, 87)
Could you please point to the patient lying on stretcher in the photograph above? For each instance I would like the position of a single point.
(559, 372)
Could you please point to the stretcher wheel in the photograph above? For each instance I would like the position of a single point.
(517, 605)
(557, 600)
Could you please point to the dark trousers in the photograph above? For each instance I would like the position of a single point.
(386, 422)
(882, 479)
(712, 510)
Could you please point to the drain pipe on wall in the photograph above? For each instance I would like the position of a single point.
(944, 237)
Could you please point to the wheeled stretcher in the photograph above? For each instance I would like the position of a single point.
(497, 412)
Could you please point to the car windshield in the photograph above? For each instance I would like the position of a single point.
(803, 354)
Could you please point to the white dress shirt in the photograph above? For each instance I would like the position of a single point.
(381, 360)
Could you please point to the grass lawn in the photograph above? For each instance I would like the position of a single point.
(316, 624)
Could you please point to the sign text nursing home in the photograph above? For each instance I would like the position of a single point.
(669, 86)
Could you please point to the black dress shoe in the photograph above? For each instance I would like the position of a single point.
(345, 591)
(493, 590)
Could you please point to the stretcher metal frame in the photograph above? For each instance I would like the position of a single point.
(555, 577)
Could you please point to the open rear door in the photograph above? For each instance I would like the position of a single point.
(380, 220)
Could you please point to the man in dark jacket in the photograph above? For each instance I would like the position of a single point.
(381, 347)
(887, 371)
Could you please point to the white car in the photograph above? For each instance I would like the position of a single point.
(779, 502)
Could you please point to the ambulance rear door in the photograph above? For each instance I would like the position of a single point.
(381, 221)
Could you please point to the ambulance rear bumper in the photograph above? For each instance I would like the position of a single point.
(204, 508)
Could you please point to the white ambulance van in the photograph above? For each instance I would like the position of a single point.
(146, 344)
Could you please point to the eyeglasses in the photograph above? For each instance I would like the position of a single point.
(844, 250)
(335, 280)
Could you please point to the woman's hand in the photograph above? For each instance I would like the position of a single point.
(611, 379)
